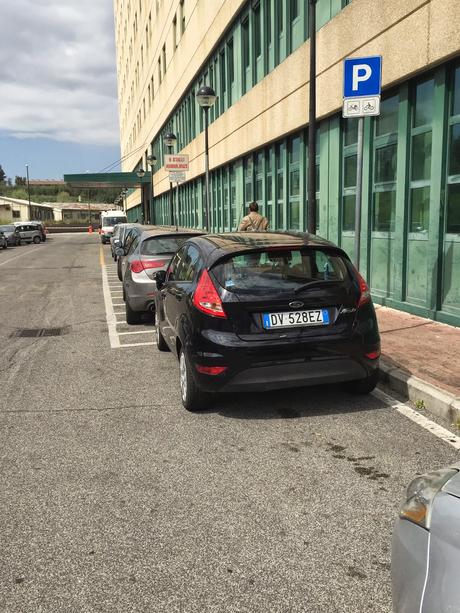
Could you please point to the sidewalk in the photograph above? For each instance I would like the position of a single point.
(421, 359)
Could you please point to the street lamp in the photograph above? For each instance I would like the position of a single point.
(141, 173)
(170, 140)
(151, 161)
(28, 191)
(206, 97)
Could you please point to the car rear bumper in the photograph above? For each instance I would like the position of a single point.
(141, 296)
(263, 366)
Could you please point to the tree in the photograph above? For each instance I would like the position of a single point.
(20, 181)
(63, 197)
(2, 175)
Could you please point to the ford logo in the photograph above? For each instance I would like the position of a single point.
(296, 304)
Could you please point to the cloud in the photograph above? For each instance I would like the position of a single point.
(57, 71)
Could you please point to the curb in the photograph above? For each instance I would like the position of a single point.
(439, 402)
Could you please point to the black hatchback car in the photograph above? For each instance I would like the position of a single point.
(263, 311)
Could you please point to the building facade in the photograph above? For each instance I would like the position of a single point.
(255, 54)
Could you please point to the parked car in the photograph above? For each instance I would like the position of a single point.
(41, 226)
(128, 236)
(149, 251)
(12, 234)
(426, 545)
(263, 311)
(109, 219)
(119, 233)
(3, 241)
(29, 232)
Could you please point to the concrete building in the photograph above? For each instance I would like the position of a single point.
(255, 54)
(14, 209)
(79, 212)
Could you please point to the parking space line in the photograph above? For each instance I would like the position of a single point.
(16, 256)
(445, 435)
(137, 332)
(137, 344)
(110, 315)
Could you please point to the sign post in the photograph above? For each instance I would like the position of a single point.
(362, 82)
(177, 165)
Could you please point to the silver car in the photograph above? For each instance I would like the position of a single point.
(148, 251)
(30, 232)
(117, 239)
(426, 545)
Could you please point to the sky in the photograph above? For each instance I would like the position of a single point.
(58, 98)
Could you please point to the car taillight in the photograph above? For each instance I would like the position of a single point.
(140, 265)
(210, 370)
(364, 291)
(373, 355)
(206, 298)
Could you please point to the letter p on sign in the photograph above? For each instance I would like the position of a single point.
(362, 76)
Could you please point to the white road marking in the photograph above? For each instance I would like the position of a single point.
(110, 315)
(16, 256)
(136, 344)
(445, 435)
(137, 332)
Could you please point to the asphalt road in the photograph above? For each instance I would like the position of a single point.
(113, 498)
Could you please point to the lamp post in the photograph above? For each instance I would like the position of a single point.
(206, 97)
(28, 192)
(311, 210)
(170, 140)
(151, 161)
(141, 173)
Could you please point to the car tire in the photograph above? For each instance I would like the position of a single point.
(363, 386)
(5, 246)
(192, 397)
(132, 317)
(36, 240)
(161, 343)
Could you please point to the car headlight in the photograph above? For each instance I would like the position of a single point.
(420, 495)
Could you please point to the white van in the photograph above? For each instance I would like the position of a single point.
(109, 219)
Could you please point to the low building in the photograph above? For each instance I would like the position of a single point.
(15, 209)
(79, 212)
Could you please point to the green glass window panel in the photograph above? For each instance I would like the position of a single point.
(294, 182)
(295, 9)
(384, 211)
(269, 187)
(456, 92)
(453, 208)
(294, 150)
(420, 209)
(245, 43)
(256, 24)
(421, 157)
(294, 215)
(387, 122)
(424, 103)
(454, 154)
(280, 16)
(258, 194)
(350, 130)
(248, 192)
(348, 212)
(317, 212)
(259, 162)
(349, 171)
(385, 164)
(317, 177)
(268, 22)
(280, 187)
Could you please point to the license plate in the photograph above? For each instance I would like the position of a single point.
(318, 317)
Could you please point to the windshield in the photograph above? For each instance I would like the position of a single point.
(280, 270)
(7, 228)
(111, 221)
(159, 245)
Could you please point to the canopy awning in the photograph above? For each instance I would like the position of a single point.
(108, 179)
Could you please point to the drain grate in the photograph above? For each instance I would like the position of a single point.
(39, 332)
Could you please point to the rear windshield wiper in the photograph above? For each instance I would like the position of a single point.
(314, 283)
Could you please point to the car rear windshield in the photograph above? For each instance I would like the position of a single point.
(280, 270)
(112, 221)
(161, 245)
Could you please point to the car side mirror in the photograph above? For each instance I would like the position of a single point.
(119, 251)
(160, 278)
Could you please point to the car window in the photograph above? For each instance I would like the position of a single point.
(190, 264)
(162, 245)
(280, 270)
(129, 240)
(133, 244)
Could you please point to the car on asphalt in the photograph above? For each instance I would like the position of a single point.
(12, 234)
(262, 311)
(41, 226)
(425, 558)
(149, 251)
(29, 232)
(129, 235)
(3, 241)
(117, 239)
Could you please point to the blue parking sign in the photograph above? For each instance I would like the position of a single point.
(362, 76)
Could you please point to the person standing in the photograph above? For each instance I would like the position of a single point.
(254, 221)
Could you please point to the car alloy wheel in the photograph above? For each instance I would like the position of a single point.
(183, 377)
